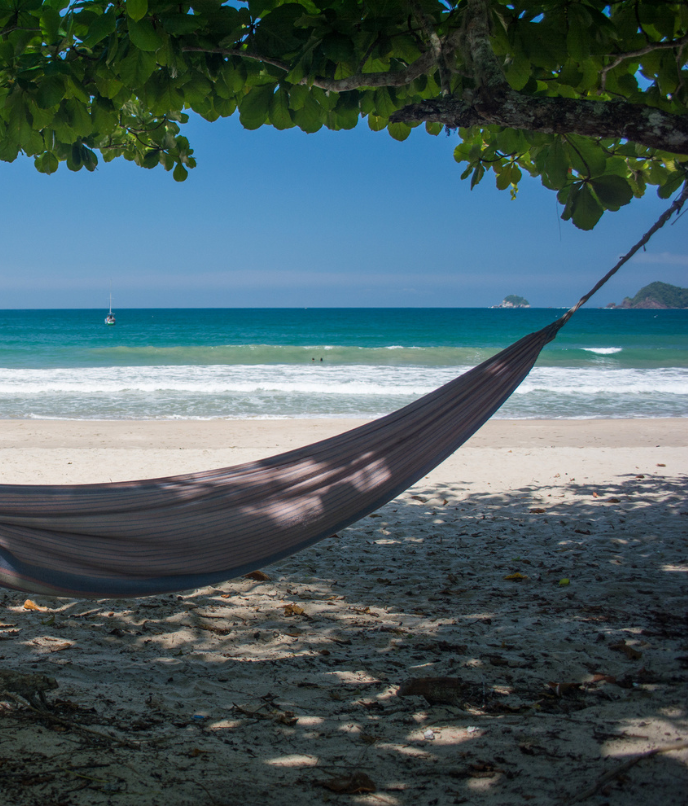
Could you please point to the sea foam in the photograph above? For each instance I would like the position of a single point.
(322, 390)
(602, 350)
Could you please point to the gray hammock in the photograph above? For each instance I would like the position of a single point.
(149, 537)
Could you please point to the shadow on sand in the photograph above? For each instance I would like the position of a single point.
(555, 617)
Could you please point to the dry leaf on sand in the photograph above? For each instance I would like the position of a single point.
(354, 784)
(30, 605)
(258, 576)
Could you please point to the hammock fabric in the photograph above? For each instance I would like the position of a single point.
(140, 538)
(147, 537)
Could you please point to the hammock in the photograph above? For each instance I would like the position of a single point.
(162, 535)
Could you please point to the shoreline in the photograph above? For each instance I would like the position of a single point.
(92, 451)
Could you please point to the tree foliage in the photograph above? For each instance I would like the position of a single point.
(590, 96)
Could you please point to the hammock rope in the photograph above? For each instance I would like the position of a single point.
(141, 538)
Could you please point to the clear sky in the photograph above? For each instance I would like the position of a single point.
(285, 219)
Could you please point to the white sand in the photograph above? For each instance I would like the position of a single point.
(229, 698)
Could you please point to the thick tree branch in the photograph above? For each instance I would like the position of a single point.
(605, 119)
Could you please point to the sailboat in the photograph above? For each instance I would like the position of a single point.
(110, 318)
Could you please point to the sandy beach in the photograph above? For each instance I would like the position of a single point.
(512, 630)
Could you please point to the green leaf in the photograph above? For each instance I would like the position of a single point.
(586, 156)
(72, 121)
(50, 24)
(280, 116)
(434, 128)
(578, 36)
(254, 107)
(586, 211)
(637, 183)
(311, 116)
(89, 159)
(375, 123)
(9, 150)
(478, 174)
(104, 116)
(613, 191)
(346, 111)
(399, 131)
(137, 9)
(50, 91)
(136, 68)
(225, 106)
(74, 160)
(556, 165)
(510, 141)
(46, 163)
(277, 33)
(518, 73)
(163, 94)
(98, 30)
(672, 184)
(81, 120)
(235, 76)
(108, 85)
(144, 35)
(181, 23)
(180, 173)
(384, 104)
(197, 89)
(503, 178)
(338, 48)
(40, 118)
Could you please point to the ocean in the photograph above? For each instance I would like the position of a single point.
(285, 363)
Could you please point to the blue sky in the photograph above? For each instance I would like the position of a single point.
(284, 219)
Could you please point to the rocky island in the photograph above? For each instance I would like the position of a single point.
(513, 301)
(656, 295)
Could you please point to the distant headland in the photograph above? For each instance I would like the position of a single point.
(513, 301)
(656, 295)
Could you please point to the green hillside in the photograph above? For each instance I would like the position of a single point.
(658, 295)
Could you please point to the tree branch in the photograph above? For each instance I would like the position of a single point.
(649, 127)
(398, 79)
(674, 43)
(423, 64)
(435, 45)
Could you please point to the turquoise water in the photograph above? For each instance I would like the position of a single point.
(197, 363)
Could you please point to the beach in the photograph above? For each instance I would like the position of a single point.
(510, 630)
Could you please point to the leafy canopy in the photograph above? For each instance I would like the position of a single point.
(590, 96)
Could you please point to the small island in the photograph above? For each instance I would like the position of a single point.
(656, 295)
(513, 301)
